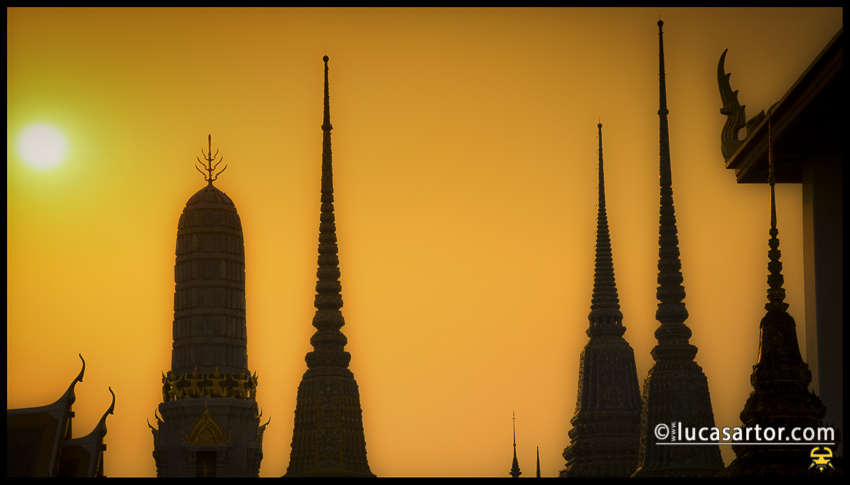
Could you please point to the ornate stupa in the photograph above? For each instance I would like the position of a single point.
(328, 438)
(676, 389)
(208, 422)
(780, 380)
(606, 424)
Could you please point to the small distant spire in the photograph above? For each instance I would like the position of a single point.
(209, 167)
(538, 462)
(515, 466)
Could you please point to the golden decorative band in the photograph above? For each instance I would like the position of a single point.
(242, 386)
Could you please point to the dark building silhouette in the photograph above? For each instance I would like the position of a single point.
(676, 389)
(606, 425)
(806, 140)
(209, 423)
(328, 438)
(39, 441)
(780, 397)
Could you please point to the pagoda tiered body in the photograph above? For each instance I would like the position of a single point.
(209, 423)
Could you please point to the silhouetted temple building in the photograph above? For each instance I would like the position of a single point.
(806, 138)
(606, 425)
(676, 389)
(39, 441)
(209, 424)
(328, 438)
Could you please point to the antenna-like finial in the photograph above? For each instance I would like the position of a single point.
(326, 122)
(775, 292)
(662, 108)
(209, 167)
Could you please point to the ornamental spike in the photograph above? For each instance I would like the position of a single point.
(209, 167)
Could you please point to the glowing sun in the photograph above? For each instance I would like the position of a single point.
(42, 146)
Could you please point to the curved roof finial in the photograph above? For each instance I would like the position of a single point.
(102, 424)
(209, 167)
(83, 370)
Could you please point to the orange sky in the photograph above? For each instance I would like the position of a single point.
(465, 154)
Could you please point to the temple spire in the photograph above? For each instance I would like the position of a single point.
(780, 378)
(515, 473)
(328, 341)
(328, 437)
(606, 424)
(605, 315)
(675, 389)
(670, 292)
(538, 462)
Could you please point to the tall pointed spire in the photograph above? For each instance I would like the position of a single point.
(780, 378)
(606, 424)
(676, 389)
(328, 438)
(515, 473)
(605, 315)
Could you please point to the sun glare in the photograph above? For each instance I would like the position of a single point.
(42, 146)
